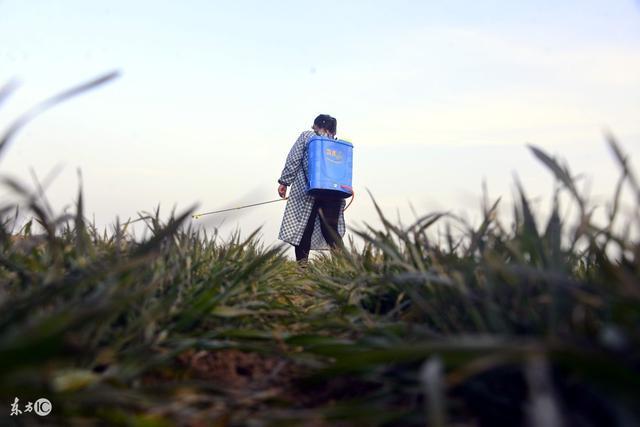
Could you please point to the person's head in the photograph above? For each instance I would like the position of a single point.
(326, 125)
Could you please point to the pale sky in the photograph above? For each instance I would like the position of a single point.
(435, 96)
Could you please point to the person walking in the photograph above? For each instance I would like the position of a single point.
(309, 223)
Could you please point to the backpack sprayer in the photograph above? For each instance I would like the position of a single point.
(330, 172)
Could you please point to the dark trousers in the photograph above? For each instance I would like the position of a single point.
(330, 210)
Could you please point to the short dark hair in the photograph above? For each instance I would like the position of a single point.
(327, 122)
(333, 125)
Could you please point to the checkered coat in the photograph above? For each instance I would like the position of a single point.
(299, 204)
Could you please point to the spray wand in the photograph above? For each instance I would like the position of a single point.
(197, 216)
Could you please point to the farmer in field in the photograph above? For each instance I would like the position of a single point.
(309, 222)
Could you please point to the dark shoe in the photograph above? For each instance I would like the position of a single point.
(303, 264)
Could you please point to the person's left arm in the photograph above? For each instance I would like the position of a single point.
(294, 160)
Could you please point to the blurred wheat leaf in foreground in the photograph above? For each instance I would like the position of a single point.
(26, 117)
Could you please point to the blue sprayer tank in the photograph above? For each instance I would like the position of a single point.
(330, 167)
